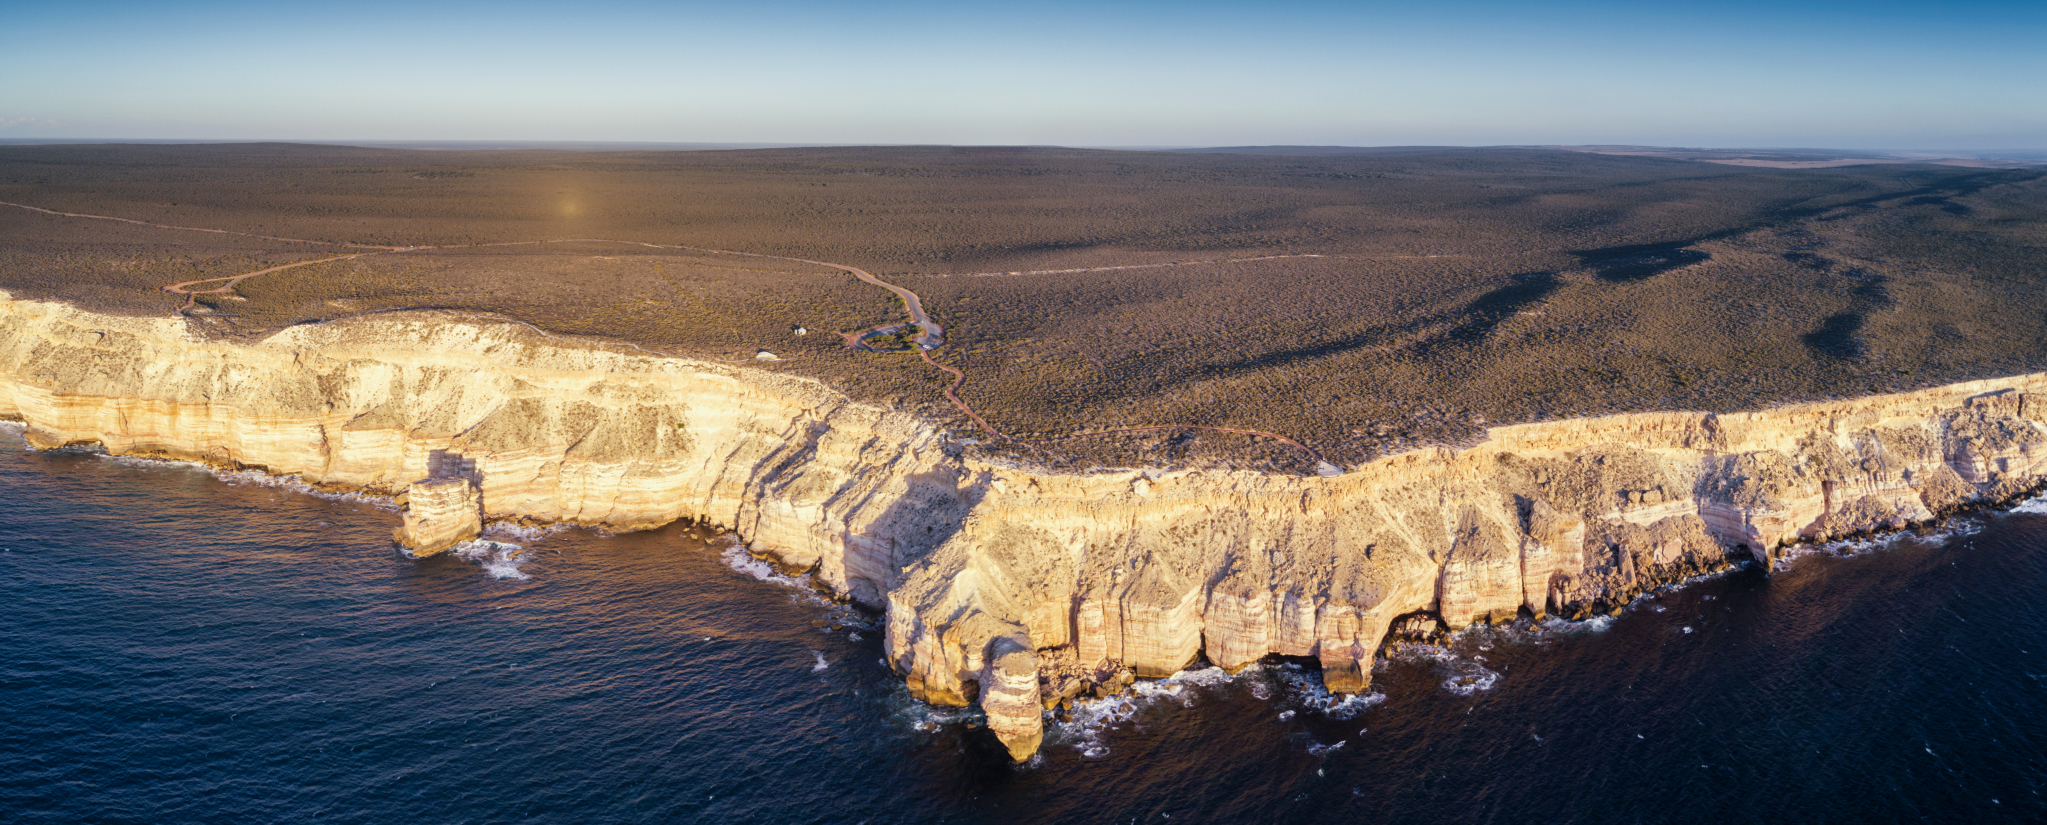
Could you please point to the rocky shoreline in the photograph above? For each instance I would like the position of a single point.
(1002, 586)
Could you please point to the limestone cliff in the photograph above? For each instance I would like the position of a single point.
(1004, 586)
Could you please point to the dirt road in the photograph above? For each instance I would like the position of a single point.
(228, 282)
(931, 336)
(1121, 268)
(199, 229)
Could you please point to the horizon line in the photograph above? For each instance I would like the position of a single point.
(2011, 153)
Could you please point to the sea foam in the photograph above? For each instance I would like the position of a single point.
(254, 478)
(1088, 725)
(1089, 722)
(736, 557)
(1304, 687)
(1463, 674)
(499, 559)
(516, 532)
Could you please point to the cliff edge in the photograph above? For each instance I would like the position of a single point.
(1003, 586)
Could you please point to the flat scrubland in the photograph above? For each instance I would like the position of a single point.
(1359, 303)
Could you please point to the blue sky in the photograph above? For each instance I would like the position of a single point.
(1879, 75)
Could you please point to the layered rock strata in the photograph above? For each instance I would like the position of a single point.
(1004, 586)
(439, 513)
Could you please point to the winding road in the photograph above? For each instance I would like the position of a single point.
(228, 282)
(931, 335)
(959, 379)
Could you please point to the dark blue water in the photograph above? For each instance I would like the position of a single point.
(180, 647)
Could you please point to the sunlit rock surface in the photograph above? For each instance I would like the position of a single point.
(439, 513)
(995, 577)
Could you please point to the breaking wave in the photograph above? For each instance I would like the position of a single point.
(1463, 674)
(737, 558)
(1305, 689)
(253, 478)
(514, 531)
(2036, 505)
(837, 617)
(1959, 527)
(499, 559)
(924, 718)
(293, 484)
(1088, 725)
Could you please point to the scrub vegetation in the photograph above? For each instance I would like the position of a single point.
(1357, 302)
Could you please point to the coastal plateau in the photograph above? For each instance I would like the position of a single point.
(1005, 586)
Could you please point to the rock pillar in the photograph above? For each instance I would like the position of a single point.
(1010, 697)
(439, 513)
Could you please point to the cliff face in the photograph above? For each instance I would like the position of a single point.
(549, 430)
(1002, 586)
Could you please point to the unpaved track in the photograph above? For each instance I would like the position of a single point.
(931, 336)
(199, 229)
(1121, 268)
(959, 379)
(228, 282)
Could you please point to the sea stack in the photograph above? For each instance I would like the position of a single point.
(1011, 697)
(439, 513)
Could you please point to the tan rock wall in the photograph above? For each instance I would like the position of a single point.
(981, 566)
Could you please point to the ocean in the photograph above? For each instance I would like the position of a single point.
(185, 645)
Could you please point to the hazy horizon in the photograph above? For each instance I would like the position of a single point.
(2019, 154)
(1863, 76)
